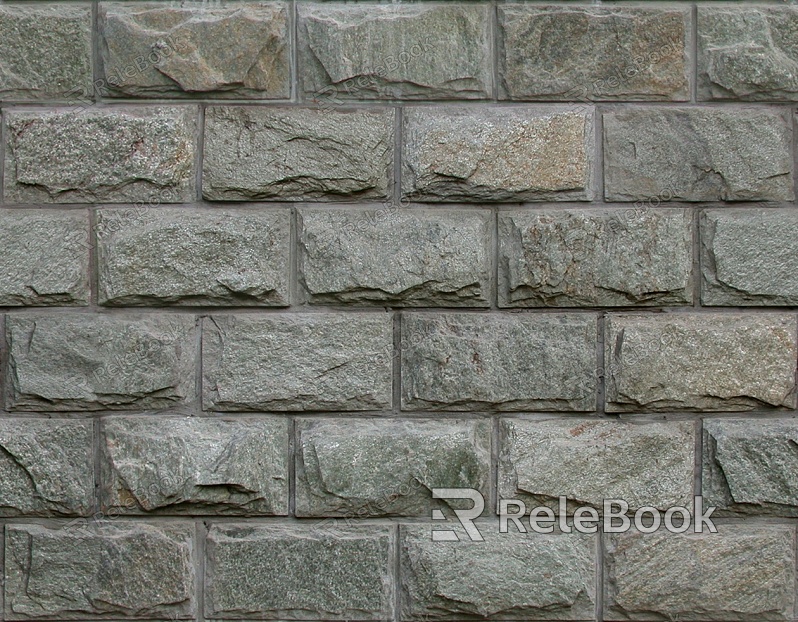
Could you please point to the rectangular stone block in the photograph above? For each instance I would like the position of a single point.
(397, 257)
(46, 467)
(109, 570)
(467, 361)
(697, 154)
(297, 154)
(509, 576)
(593, 53)
(71, 361)
(193, 465)
(398, 464)
(497, 154)
(700, 362)
(596, 257)
(292, 572)
(310, 361)
(44, 259)
(413, 52)
(152, 50)
(193, 257)
(106, 155)
(45, 51)
(740, 573)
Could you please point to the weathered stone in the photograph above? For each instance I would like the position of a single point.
(105, 155)
(282, 572)
(509, 576)
(497, 154)
(749, 257)
(313, 361)
(465, 361)
(297, 154)
(95, 362)
(388, 256)
(148, 49)
(611, 258)
(45, 467)
(360, 468)
(588, 461)
(740, 573)
(751, 467)
(194, 257)
(194, 466)
(697, 154)
(413, 52)
(45, 51)
(44, 258)
(593, 53)
(695, 362)
(99, 570)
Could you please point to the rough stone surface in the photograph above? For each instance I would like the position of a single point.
(751, 467)
(151, 50)
(62, 362)
(648, 464)
(497, 154)
(568, 53)
(741, 573)
(99, 571)
(697, 154)
(413, 52)
(281, 572)
(510, 576)
(314, 361)
(458, 361)
(611, 258)
(749, 257)
(297, 154)
(695, 362)
(45, 51)
(105, 155)
(360, 468)
(194, 257)
(405, 257)
(194, 466)
(44, 259)
(45, 467)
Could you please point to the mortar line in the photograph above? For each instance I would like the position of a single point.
(494, 257)
(397, 572)
(598, 154)
(601, 376)
(396, 368)
(199, 157)
(3, 120)
(692, 47)
(794, 145)
(494, 49)
(200, 537)
(600, 553)
(199, 326)
(697, 265)
(94, 260)
(296, 297)
(293, 20)
(293, 452)
(96, 449)
(398, 138)
(5, 370)
(698, 473)
(495, 438)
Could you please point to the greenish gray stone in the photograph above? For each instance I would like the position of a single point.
(293, 572)
(194, 466)
(397, 257)
(413, 52)
(297, 154)
(593, 53)
(152, 50)
(465, 361)
(497, 154)
(700, 362)
(740, 574)
(105, 155)
(193, 257)
(310, 361)
(749, 257)
(751, 467)
(509, 576)
(45, 51)
(45, 258)
(100, 570)
(597, 257)
(45, 467)
(697, 154)
(71, 361)
(397, 465)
